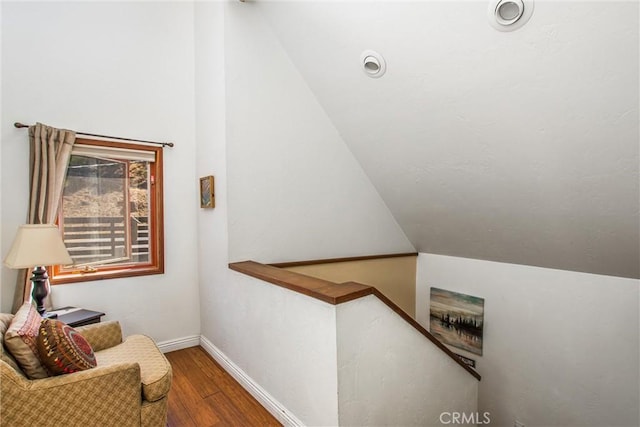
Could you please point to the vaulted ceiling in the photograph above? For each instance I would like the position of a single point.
(517, 147)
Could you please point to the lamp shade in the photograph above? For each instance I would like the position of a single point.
(37, 245)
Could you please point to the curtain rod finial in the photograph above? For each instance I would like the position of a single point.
(20, 125)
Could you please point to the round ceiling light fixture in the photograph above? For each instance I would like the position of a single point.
(509, 15)
(373, 64)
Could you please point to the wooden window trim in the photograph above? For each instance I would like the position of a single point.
(156, 226)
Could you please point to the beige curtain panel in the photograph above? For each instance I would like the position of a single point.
(50, 150)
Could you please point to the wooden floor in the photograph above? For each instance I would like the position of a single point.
(203, 394)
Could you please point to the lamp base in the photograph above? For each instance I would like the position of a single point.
(40, 281)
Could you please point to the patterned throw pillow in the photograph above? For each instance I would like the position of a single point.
(20, 340)
(62, 349)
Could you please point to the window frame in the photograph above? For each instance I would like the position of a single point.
(156, 226)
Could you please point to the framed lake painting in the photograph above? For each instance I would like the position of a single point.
(457, 319)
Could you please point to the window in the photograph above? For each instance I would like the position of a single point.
(111, 212)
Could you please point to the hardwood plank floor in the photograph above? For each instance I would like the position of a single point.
(205, 395)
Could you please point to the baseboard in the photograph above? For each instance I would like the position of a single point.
(270, 404)
(179, 343)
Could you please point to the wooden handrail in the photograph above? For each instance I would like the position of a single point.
(347, 259)
(334, 293)
(323, 290)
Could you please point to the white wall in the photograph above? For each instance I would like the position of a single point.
(1, 134)
(560, 347)
(285, 341)
(295, 190)
(262, 329)
(391, 375)
(116, 68)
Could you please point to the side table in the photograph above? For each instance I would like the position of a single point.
(74, 316)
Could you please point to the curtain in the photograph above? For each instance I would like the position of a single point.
(50, 150)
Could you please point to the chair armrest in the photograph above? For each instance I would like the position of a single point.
(108, 395)
(102, 335)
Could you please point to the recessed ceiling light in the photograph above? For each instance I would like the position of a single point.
(509, 11)
(509, 15)
(373, 64)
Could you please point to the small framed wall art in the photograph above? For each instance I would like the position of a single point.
(207, 194)
(457, 319)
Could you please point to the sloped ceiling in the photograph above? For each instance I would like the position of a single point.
(517, 147)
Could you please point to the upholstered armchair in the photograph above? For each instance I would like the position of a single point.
(128, 387)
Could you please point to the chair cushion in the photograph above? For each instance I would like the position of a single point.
(20, 340)
(62, 349)
(155, 369)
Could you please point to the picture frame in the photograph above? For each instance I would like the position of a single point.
(207, 194)
(457, 319)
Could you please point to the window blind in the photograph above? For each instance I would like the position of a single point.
(113, 153)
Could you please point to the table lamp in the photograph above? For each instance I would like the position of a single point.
(36, 246)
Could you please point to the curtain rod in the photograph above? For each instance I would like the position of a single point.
(164, 144)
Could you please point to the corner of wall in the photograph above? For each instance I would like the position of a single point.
(295, 190)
